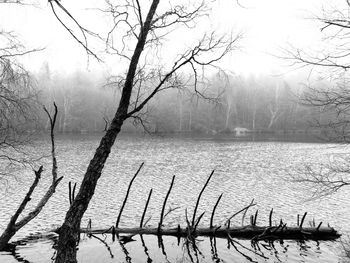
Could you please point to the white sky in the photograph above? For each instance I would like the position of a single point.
(268, 25)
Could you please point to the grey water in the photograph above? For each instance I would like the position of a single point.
(263, 170)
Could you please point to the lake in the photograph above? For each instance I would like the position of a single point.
(243, 171)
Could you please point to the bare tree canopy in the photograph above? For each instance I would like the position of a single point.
(143, 33)
(331, 63)
(18, 101)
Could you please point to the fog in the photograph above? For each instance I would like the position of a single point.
(223, 102)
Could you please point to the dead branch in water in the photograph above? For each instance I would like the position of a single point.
(254, 233)
(212, 214)
(199, 197)
(164, 203)
(127, 195)
(14, 225)
(144, 211)
(192, 229)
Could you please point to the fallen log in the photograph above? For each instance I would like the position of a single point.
(255, 233)
(191, 231)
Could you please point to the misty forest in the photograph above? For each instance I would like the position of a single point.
(174, 131)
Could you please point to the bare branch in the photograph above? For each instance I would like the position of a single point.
(83, 30)
(192, 57)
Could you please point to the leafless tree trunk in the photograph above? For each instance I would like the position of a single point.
(14, 225)
(69, 231)
(253, 117)
(274, 108)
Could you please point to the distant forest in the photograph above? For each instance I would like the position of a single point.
(86, 103)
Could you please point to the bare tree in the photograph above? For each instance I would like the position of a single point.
(18, 103)
(145, 31)
(327, 178)
(275, 105)
(18, 97)
(14, 224)
(332, 62)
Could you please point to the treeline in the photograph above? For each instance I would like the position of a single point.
(223, 102)
(256, 103)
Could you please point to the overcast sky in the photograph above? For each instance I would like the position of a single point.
(268, 25)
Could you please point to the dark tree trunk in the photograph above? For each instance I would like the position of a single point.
(14, 224)
(6, 236)
(69, 232)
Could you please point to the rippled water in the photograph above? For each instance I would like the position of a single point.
(243, 170)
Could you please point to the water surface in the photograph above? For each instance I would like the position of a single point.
(243, 171)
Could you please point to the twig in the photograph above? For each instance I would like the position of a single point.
(240, 211)
(270, 217)
(199, 197)
(126, 196)
(197, 222)
(245, 210)
(302, 220)
(170, 210)
(70, 31)
(255, 217)
(145, 209)
(212, 214)
(164, 203)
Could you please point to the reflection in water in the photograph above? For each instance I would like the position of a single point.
(194, 250)
(244, 170)
(17, 256)
(104, 242)
(161, 245)
(191, 244)
(125, 251)
(213, 250)
(149, 260)
(14, 248)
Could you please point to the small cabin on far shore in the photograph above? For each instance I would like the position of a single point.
(240, 131)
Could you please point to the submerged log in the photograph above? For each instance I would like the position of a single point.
(252, 232)
(255, 233)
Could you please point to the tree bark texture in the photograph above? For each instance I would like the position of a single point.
(70, 230)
